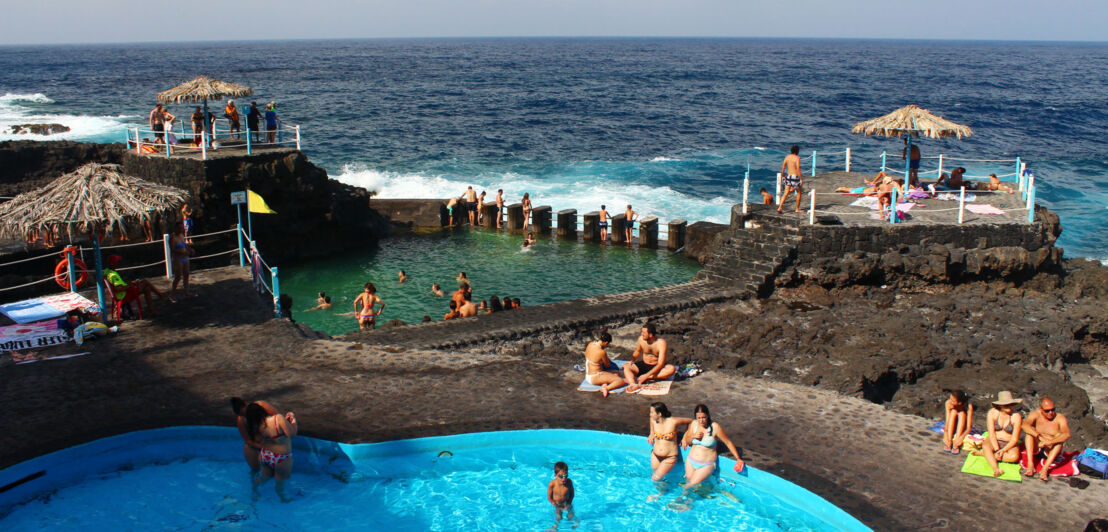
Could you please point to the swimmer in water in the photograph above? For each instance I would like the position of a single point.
(436, 289)
(326, 304)
(529, 241)
(402, 277)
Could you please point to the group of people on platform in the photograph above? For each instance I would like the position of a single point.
(1040, 434)
(161, 120)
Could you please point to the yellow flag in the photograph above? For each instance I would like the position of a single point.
(255, 203)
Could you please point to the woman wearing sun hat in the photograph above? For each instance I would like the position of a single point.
(1003, 423)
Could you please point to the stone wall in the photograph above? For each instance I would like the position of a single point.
(28, 164)
(412, 212)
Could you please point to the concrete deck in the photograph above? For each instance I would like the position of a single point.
(926, 211)
(180, 367)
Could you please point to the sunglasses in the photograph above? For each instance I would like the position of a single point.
(561, 476)
(1048, 410)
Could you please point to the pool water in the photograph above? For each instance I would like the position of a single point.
(193, 478)
(551, 271)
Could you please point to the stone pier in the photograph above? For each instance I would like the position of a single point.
(488, 215)
(617, 232)
(515, 216)
(676, 238)
(541, 219)
(648, 232)
(591, 227)
(567, 223)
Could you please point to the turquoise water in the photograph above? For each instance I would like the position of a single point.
(193, 478)
(551, 271)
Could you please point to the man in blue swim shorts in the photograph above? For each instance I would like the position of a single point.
(603, 223)
(913, 163)
(793, 179)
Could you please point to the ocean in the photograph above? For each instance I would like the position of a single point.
(667, 125)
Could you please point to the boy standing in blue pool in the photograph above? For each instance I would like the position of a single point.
(560, 493)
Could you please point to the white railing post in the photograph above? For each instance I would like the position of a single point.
(812, 208)
(746, 191)
(940, 167)
(203, 145)
(892, 206)
(138, 142)
(1031, 201)
(168, 257)
(777, 196)
(848, 159)
(298, 137)
(1017, 167)
(962, 206)
(883, 154)
(813, 163)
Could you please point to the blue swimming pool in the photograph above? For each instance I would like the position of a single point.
(193, 478)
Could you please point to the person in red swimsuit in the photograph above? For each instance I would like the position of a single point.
(273, 433)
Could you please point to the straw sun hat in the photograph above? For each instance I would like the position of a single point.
(1005, 398)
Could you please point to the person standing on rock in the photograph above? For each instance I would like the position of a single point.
(913, 162)
(526, 211)
(794, 179)
(1046, 431)
(157, 122)
(653, 364)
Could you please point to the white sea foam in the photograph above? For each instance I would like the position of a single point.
(662, 159)
(36, 109)
(565, 193)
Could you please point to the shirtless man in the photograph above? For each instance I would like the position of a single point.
(459, 296)
(471, 204)
(1046, 431)
(794, 179)
(767, 198)
(467, 308)
(367, 318)
(629, 224)
(157, 123)
(603, 223)
(451, 208)
(599, 369)
(653, 364)
(499, 207)
(480, 203)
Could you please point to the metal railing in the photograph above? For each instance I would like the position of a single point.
(178, 141)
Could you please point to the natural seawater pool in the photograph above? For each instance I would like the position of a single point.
(552, 271)
(194, 478)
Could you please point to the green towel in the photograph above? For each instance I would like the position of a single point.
(977, 465)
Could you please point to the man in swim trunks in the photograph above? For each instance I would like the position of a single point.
(913, 163)
(599, 369)
(471, 204)
(794, 179)
(157, 122)
(603, 223)
(451, 206)
(653, 364)
(629, 224)
(499, 207)
(231, 113)
(367, 318)
(1046, 431)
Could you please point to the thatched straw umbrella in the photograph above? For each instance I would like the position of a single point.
(204, 88)
(911, 121)
(91, 195)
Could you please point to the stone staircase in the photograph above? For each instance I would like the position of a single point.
(752, 258)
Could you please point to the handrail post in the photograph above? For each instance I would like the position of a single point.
(276, 293)
(248, 140)
(204, 145)
(883, 154)
(1031, 204)
(746, 190)
(98, 276)
(1017, 167)
(848, 158)
(962, 206)
(168, 257)
(298, 137)
(813, 163)
(812, 208)
(70, 258)
(892, 206)
(1030, 190)
(940, 167)
(777, 197)
(138, 142)
(238, 229)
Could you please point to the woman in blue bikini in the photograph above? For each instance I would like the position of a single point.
(180, 251)
(701, 440)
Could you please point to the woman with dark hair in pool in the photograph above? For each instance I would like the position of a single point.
(250, 445)
(494, 305)
(507, 303)
(274, 434)
(663, 436)
(701, 440)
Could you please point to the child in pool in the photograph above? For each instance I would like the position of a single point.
(560, 492)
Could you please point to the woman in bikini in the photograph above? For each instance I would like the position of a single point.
(599, 369)
(180, 251)
(273, 433)
(996, 185)
(663, 436)
(701, 440)
(1003, 423)
(367, 318)
(959, 421)
(526, 211)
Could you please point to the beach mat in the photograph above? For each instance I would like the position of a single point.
(868, 202)
(656, 387)
(32, 335)
(586, 387)
(45, 308)
(977, 465)
(1063, 466)
(983, 208)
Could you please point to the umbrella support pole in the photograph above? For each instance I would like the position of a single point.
(168, 259)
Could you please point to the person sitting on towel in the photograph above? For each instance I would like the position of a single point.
(959, 421)
(1004, 424)
(956, 182)
(653, 364)
(997, 185)
(599, 369)
(1046, 431)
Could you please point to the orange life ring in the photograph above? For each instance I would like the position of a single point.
(61, 274)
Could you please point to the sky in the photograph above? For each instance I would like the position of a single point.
(114, 21)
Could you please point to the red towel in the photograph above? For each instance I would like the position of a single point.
(1064, 465)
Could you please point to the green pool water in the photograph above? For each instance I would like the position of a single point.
(551, 271)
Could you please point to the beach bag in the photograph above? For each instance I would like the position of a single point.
(1093, 463)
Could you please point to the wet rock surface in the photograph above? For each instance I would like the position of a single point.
(901, 347)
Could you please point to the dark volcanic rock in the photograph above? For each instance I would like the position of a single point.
(699, 237)
(27, 164)
(38, 129)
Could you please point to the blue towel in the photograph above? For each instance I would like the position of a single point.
(30, 311)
